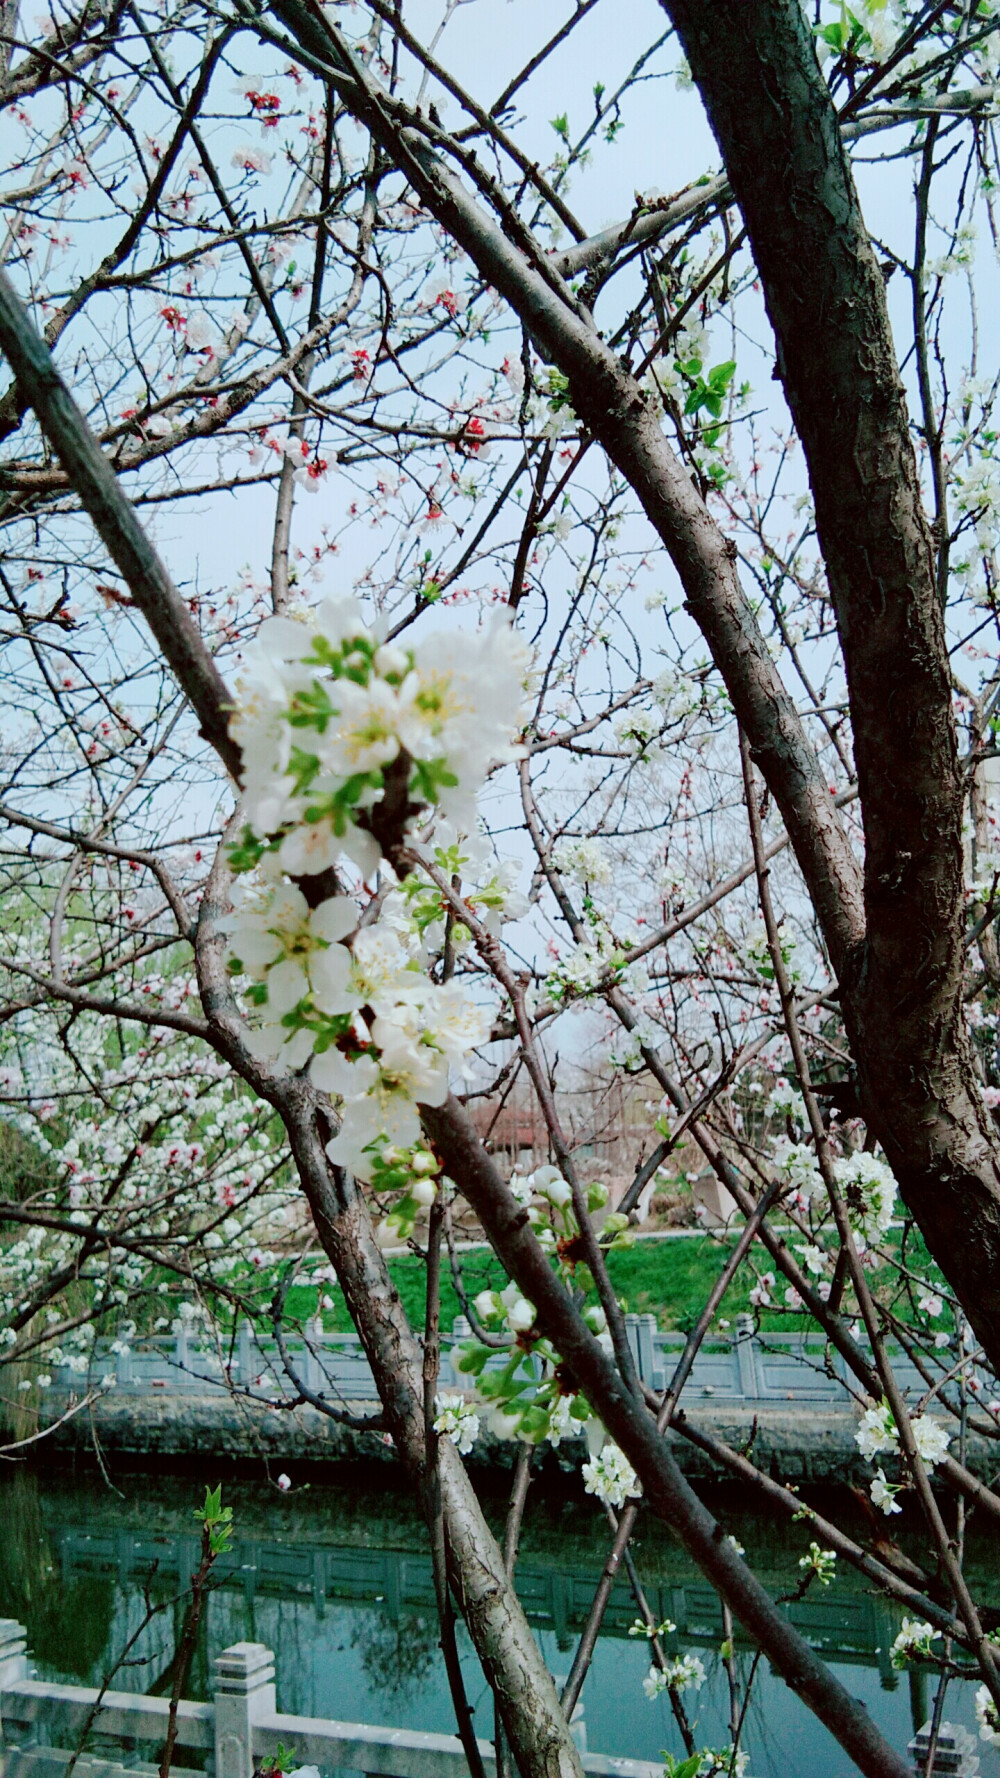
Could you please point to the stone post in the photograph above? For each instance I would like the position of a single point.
(244, 1356)
(955, 1752)
(244, 1692)
(312, 1366)
(639, 1331)
(13, 1666)
(461, 1328)
(13, 1651)
(181, 1356)
(746, 1357)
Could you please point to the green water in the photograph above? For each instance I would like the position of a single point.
(336, 1579)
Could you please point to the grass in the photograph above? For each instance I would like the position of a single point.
(669, 1279)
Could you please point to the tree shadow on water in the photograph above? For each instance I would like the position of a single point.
(396, 1654)
(68, 1623)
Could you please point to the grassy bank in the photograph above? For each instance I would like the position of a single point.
(669, 1279)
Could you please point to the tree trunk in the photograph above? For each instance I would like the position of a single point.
(755, 65)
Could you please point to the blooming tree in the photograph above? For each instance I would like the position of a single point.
(575, 712)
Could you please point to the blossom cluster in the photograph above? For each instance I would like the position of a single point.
(877, 1433)
(884, 1493)
(721, 1762)
(457, 1420)
(639, 1627)
(310, 989)
(524, 1389)
(684, 1673)
(610, 1477)
(758, 952)
(988, 1717)
(913, 1642)
(585, 861)
(521, 1388)
(819, 1562)
(326, 710)
(869, 1191)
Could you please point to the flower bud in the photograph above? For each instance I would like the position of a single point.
(504, 1425)
(521, 1315)
(543, 1177)
(557, 1192)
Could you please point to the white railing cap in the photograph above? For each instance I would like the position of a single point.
(243, 1667)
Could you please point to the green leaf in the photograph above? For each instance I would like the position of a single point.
(472, 1359)
(722, 375)
(561, 126)
(217, 1520)
(247, 852)
(687, 1769)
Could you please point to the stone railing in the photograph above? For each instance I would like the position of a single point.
(757, 1369)
(241, 1730)
(44, 1723)
(745, 1367)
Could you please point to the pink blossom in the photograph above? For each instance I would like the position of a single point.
(248, 159)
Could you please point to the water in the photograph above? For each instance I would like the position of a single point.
(336, 1580)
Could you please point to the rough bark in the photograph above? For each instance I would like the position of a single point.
(755, 66)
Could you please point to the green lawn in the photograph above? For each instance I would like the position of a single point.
(669, 1279)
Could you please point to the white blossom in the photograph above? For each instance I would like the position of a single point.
(797, 1163)
(760, 1294)
(869, 1192)
(561, 1422)
(683, 1673)
(783, 1099)
(813, 1258)
(915, 1638)
(611, 1478)
(585, 861)
(877, 1432)
(884, 1493)
(987, 1717)
(549, 1183)
(456, 1419)
(930, 1438)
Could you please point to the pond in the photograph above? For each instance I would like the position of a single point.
(336, 1579)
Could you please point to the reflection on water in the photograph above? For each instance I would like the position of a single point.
(70, 1616)
(336, 1579)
